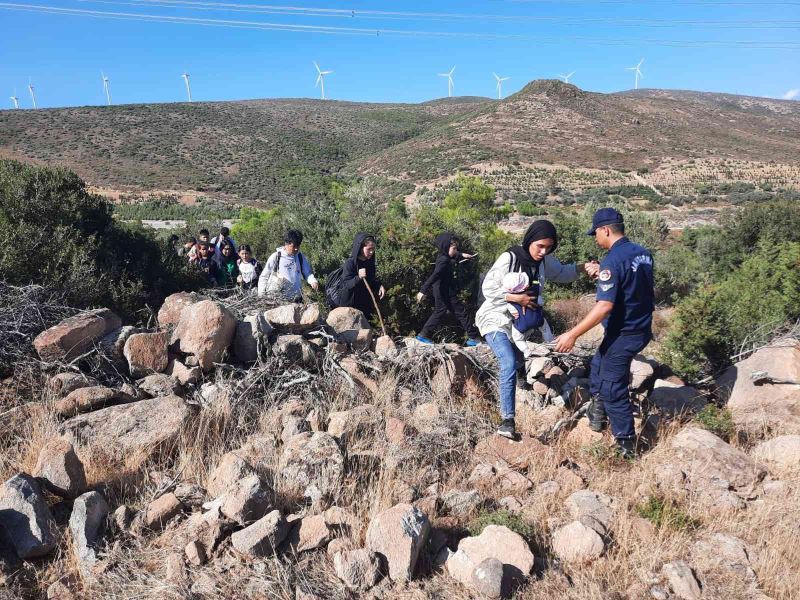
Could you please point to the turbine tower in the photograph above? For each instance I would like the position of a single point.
(14, 99)
(499, 86)
(450, 84)
(637, 73)
(321, 80)
(185, 77)
(106, 89)
(33, 95)
(566, 77)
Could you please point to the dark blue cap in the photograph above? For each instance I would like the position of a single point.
(603, 217)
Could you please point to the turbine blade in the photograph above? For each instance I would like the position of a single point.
(316, 65)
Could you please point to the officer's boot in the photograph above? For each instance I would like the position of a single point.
(626, 448)
(597, 414)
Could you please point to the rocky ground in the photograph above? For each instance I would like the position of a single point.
(241, 452)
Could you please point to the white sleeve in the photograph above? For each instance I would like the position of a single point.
(263, 279)
(493, 282)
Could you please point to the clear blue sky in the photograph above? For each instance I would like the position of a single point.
(64, 54)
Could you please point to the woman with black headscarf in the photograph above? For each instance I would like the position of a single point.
(441, 286)
(494, 319)
(358, 272)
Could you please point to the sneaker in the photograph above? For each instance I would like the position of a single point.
(597, 414)
(626, 448)
(472, 342)
(424, 340)
(507, 429)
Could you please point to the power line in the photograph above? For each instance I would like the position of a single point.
(750, 44)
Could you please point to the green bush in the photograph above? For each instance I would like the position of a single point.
(717, 420)
(501, 517)
(663, 512)
(54, 233)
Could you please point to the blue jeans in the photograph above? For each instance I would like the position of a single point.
(609, 378)
(510, 359)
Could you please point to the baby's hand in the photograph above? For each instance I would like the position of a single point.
(514, 312)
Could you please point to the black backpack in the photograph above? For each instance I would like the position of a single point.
(333, 289)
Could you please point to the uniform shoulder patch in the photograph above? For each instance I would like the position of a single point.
(604, 275)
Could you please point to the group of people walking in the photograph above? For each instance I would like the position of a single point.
(513, 292)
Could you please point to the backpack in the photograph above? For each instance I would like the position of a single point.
(333, 289)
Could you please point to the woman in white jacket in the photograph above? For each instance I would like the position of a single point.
(495, 320)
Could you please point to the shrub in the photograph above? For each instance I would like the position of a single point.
(717, 420)
(663, 512)
(501, 517)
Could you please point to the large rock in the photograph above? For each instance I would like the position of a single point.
(385, 348)
(725, 555)
(74, 336)
(182, 373)
(230, 469)
(160, 511)
(397, 535)
(263, 537)
(205, 330)
(682, 580)
(170, 312)
(159, 384)
(358, 569)
(87, 524)
(309, 533)
(62, 384)
(517, 454)
(496, 541)
(112, 345)
(246, 501)
(755, 408)
(593, 509)
(84, 400)
(146, 353)
(674, 400)
(294, 349)
(781, 454)
(577, 543)
(451, 377)
(347, 424)
(294, 318)
(487, 578)
(312, 459)
(642, 372)
(26, 518)
(60, 470)
(251, 336)
(349, 325)
(131, 431)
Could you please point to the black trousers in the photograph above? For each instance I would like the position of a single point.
(459, 310)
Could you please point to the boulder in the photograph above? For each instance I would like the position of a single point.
(358, 569)
(345, 425)
(230, 469)
(146, 353)
(62, 384)
(87, 524)
(159, 384)
(294, 318)
(246, 501)
(26, 518)
(781, 454)
(112, 344)
(347, 324)
(251, 336)
(294, 349)
(675, 400)
(726, 555)
(517, 454)
(60, 470)
(397, 535)
(84, 400)
(169, 314)
(205, 330)
(74, 336)
(461, 502)
(132, 431)
(309, 533)
(755, 408)
(642, 372)
(312, 459)
(195, 553)
(682, 580)
(536, 367)
(496, 541)
(487, 578)
(451, 377)
(385, 348)
(594, 509)
(182, 373)
(577, 543)
(263, 537)
(160, 511)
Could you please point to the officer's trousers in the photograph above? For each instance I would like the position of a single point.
(459, 310)
(610, 376)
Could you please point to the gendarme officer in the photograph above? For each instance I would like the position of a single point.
(625, 303)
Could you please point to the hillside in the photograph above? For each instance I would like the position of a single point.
(264, 150)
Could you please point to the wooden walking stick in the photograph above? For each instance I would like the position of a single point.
(375, 304)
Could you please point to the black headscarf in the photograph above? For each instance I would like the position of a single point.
(443, 242)
(359, 242)
(538, 230)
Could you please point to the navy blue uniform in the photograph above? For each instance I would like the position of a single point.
(626, 279)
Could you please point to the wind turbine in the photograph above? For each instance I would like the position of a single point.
(321, 80)
(566, 77)
(638, 73)
(500, 81)
(450, 84)
(33, 95)
(14, 99)
(106, 88)
(185, 77)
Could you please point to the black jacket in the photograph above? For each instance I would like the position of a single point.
(441, 284)
(353, 292)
